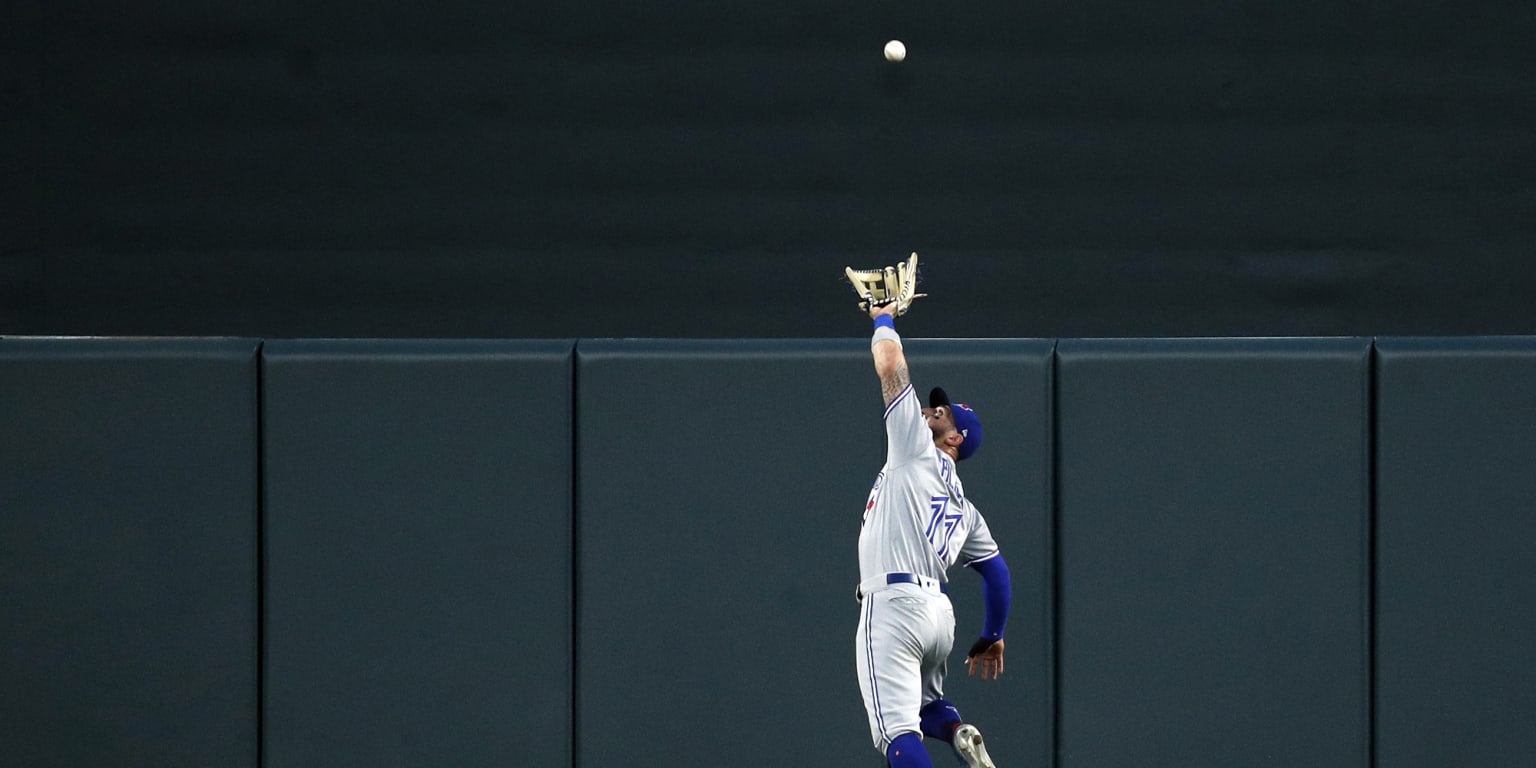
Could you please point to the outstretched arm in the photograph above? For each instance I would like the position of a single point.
(997, 593)
(890, 363)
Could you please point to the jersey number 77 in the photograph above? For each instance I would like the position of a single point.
(940, 505)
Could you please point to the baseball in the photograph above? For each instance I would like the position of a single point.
(895, 51)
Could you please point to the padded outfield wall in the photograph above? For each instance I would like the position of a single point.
(621, 552)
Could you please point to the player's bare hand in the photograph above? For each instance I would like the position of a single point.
(989, 661)
(888, 309)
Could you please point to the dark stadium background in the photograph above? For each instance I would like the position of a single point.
(697, 169)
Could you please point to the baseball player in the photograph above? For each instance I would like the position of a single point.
(917, 523)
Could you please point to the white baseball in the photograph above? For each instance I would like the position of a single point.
(895, 51)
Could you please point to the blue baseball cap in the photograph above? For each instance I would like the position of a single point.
(965, 421)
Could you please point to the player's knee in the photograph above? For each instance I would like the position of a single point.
(906, 751)
(939, 719)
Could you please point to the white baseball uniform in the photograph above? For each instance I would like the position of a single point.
(917, 524)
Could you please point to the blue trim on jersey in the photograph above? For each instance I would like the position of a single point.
(892, 406)
(982, 559)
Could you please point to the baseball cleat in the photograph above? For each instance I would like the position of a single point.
(972, 751)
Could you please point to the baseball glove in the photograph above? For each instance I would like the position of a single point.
(889, 285)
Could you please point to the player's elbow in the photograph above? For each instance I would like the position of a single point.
(888, 358)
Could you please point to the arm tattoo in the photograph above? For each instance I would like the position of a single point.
(893, 383)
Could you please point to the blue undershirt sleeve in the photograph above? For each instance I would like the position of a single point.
(997, 592)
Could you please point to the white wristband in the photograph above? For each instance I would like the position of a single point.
(884, 333)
